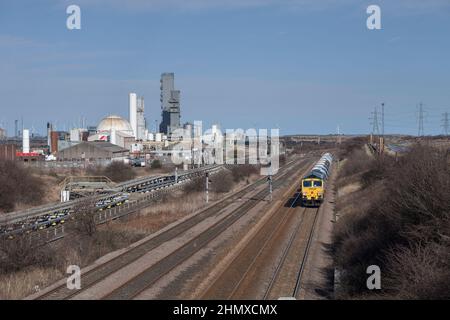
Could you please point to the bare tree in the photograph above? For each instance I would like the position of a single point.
(84, 217)
(21, 252)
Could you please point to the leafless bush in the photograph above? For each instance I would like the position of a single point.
(118, 172)
(222, 182)
(358, 161)
(243, 171)
(156, 164)
(415, 272)
(196, 185)
(350, 145)
(404, 229)
(21, 252)
(18, 185)
(94, 170)
(84, 218)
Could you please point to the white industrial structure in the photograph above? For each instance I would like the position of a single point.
(132, 99)
(140, 119)
(26, 141)
(76, 134)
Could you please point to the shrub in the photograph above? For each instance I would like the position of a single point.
(156, 164)
(358, 161)
(18, 185)
(20, 252)
(119, 172)
(222, 182)
(243, 171)
(196, 185)
(404, 228)
(84, 222)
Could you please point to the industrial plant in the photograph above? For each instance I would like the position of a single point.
(113, 138)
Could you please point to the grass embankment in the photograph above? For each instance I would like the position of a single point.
(396, 215)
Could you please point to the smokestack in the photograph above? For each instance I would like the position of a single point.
(133, 112)
(49, 135)
(26, 141)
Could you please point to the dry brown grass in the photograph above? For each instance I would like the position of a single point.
(176, 206)
(161, 214)
(25, 282)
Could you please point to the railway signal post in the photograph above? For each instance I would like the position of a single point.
(176, 174)
(269, 179)
(207, 187)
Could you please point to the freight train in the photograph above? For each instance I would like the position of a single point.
(313, 184)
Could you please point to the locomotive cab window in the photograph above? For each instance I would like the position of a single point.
(306, 184)
(317, 183)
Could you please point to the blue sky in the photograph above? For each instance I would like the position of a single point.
(304, 66)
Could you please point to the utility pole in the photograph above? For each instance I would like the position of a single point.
(445, 123)
(382, 119)
(421, 130)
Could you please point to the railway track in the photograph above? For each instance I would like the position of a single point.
(99, 273)
(246, 274)
(147, 278)
(301, 238)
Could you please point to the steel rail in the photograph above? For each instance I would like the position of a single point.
(143, 248)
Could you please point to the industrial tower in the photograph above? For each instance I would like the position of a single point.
(170, 104)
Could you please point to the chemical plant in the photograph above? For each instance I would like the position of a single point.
(114, 137)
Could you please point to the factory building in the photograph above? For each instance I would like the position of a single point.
(94, 152)
(58, 140)
(170, 104)
(78, 135)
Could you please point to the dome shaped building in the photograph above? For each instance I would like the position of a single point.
(114, 129)
(113, 122)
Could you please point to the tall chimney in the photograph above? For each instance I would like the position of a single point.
(49, 135)
(133, 112)
(26, 141)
